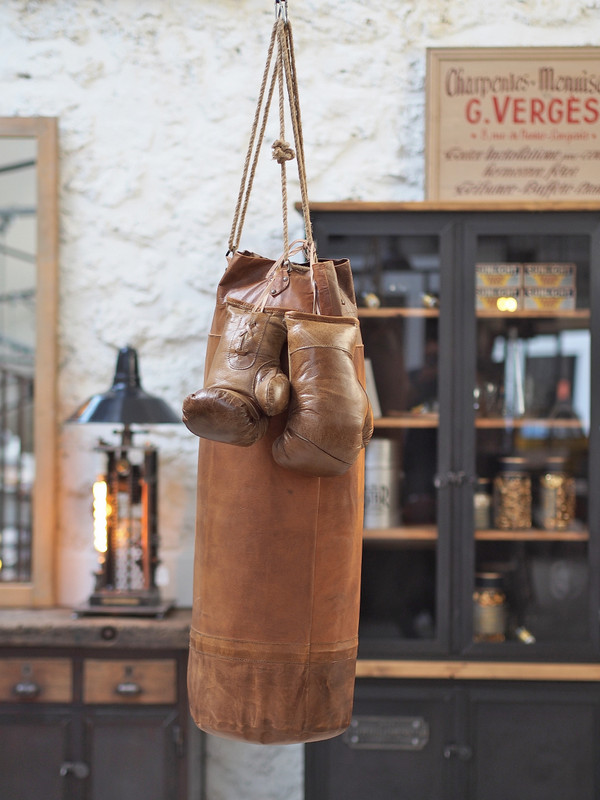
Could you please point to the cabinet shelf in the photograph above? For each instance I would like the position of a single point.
(531, 535)
(408, 420)
(408, 533)
(394, 311)
(474, 670)
(525, 422)
(398, 312)
(578, 313)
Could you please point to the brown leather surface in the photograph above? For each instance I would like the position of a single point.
(245, 381)
(329, 419)
(277, 567)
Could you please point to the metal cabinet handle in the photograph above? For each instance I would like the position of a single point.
(461, 751)
(26, 689)
(78, 769)
(128, 689)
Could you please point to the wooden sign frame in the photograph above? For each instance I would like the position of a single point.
(513, 124)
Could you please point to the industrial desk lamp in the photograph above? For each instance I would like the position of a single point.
(125, 498)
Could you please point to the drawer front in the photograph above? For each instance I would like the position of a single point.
(130, 681)
(36, 680)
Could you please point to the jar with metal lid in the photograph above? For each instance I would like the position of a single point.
(512, 495)
(557, 496)
(489, 608)
(482, 505)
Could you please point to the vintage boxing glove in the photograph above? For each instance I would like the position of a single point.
(245, 384)
(330, 418)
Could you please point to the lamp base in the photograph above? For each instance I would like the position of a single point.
(125, 604)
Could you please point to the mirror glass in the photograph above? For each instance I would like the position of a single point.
(18, 224)
(28, 257)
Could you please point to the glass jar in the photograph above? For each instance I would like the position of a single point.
(482, 505)
(557, 496)
(489, 608)
(512, 495)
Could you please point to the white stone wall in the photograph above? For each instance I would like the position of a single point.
(155, 100)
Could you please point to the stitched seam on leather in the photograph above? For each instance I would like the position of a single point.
(312, 606)
(314, 444)
(232, 355)
(321, 347)
(306, 663)
(338, 643)
(318, 656)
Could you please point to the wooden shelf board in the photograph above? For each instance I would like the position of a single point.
(408, 420)
(522, 313)
(532, 535)
(477, 670)
(383, 313)
(524, 422)
(416, 533)
(398, 312)
(428, 533)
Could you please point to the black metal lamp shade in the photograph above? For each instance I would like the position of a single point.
(126, 402)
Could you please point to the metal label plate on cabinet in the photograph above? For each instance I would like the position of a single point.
(387, 733)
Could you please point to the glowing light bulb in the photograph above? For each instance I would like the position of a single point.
(506, 304)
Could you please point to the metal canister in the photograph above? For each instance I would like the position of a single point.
(512, 495)
(382, 484)
(489, 608)
(557, 496)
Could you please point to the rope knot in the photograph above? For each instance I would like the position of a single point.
(282, 151)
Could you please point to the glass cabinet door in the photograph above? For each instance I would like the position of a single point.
(398, 284)
(532, 493)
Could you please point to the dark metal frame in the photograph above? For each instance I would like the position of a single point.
(457, 231)
(331, 224)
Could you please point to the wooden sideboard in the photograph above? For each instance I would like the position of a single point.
(96, 708)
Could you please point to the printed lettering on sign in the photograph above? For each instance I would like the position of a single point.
(513, 124)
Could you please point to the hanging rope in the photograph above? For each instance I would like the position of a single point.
(280, 147)
(239, 214)
(284, 76)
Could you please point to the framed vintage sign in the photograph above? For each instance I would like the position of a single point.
(513, 124)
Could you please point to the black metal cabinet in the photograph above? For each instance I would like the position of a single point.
(473, 742)
(480, 331)
(535, 743)
(82, 725)
(481, 544)
(393, 749)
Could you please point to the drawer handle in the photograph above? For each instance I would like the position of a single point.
(128, 689)
(26, 689)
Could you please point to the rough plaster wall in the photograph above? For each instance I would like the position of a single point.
(155, 100)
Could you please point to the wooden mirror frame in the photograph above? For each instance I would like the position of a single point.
(40, 591)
